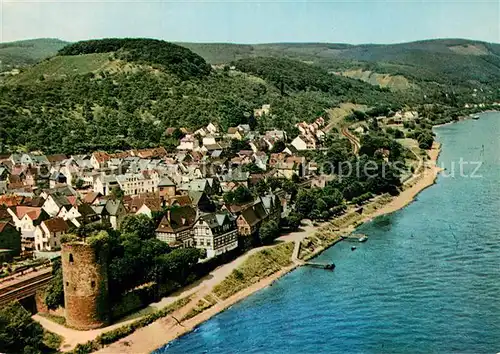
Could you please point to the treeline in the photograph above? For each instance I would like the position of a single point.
(174, 58)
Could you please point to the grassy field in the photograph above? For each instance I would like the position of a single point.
(255, 268)
(336, 115)
(395, 82)
(61, 66)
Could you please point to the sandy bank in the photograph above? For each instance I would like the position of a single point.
(165, 330)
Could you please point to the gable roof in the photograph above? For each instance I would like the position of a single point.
(61, 200)
(181, 200)
(112, 206)
(166, 182)
(56, 225)
(250, 216)
(180, 219)
(215, 219)
(91, 197)
(32, 212)
(56, 158)
(100, 156)
(85, 210)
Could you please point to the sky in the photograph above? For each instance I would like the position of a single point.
(361, 21)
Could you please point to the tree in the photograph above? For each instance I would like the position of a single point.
(141, 225)
(240, 195)
(279, 146)
(252, 168)
(261, 187)
(295, 178)
(18, 332)
(54, 294)
(425, 140)
(116, 193)
(293, 221)
(269, 231)
(79, 183)
(305, 202)
(178, 265)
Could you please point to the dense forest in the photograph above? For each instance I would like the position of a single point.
(291, 75)
(115, 110)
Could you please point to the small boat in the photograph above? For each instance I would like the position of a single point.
(353, 248)
(475, 116)
(330, 266)
(363, 238)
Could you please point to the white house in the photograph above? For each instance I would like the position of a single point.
(99, 159)
(104, 184)
(189, 142)
(54, 203)
(215, 233)
(212, 128)
(137, 183)
(304, 142)
(79, 215)
(48, 234)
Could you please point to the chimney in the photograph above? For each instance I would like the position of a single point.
(183, 221)
(168, 215)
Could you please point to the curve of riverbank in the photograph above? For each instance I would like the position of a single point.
(165, 330)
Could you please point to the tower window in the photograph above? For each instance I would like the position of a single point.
(71, 260)
(92, 284)
(67, 283)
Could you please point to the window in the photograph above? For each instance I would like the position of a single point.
(67, 283)
(92, 284)
(71, 260)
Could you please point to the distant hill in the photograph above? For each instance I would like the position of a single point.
(28, 52)
(446, 61)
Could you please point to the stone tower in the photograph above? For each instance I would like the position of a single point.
(85, 277)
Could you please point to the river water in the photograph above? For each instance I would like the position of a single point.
(426, 281)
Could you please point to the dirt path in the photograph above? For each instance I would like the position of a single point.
(201, 288)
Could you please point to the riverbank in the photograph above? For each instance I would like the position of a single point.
(167, 329)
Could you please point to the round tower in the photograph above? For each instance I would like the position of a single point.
(85, 278)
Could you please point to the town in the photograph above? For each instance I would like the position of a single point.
(188, 188)
(211, 199)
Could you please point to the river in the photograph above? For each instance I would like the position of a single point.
(427, 280)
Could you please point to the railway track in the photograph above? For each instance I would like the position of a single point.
(352, 139)
(24, 288)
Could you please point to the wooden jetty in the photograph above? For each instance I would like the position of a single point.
(327, 266)
(355, 238)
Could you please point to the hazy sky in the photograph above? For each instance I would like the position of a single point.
(252, 21)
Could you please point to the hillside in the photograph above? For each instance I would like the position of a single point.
(445, 61)
(22, 53)
(119, 94)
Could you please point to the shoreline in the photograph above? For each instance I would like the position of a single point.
(163, 331)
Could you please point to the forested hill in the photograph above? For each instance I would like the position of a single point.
(445, 61)
(120, 94)
(22, 53)
(174, 58)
